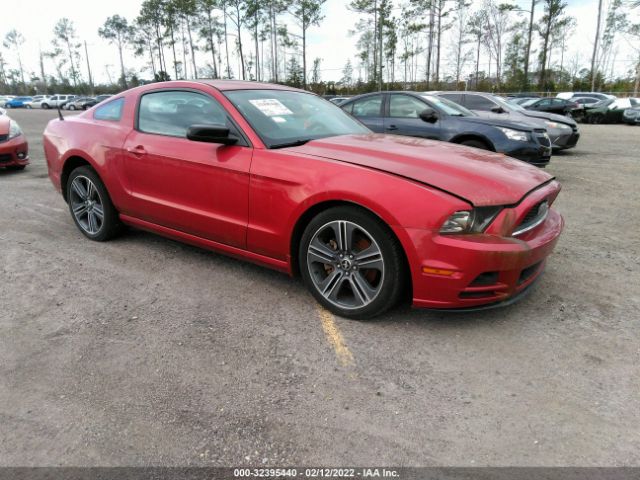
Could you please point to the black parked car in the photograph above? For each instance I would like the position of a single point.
(551, 105)
(427, 116)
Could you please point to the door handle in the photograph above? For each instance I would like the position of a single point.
(137, 150)
(392, 127)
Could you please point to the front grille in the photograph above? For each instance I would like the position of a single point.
(528, 272)
(534, 217)
(484, 279)
(544, 140)
(5, 158)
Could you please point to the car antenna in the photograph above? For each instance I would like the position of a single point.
(60, 112)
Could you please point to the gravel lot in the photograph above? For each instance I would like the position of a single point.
(144, 351)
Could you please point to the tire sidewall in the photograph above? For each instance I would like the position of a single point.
(393, 279)
(111, 220)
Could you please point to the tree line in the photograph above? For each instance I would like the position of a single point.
(420, 44)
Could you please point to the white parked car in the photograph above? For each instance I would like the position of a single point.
(55, 100)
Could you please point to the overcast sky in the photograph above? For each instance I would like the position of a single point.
(331, 42)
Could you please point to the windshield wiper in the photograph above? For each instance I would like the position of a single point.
(295, 143)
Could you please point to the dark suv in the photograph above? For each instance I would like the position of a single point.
(423, 115)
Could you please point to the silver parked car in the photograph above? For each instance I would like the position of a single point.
(562, 130)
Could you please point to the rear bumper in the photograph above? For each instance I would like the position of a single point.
(15, 152)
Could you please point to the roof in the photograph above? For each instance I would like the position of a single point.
(245, 85)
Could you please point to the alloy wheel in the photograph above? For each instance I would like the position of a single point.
(86, 205)
(345, 264)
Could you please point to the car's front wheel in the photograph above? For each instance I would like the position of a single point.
(90, 205)
(72, 107)
(352, 263)
(45, 106)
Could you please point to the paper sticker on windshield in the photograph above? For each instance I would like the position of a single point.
(271, 107)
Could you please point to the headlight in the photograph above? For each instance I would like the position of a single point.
(557, 125)
(470, 221)
(14, 129)
(514, 134)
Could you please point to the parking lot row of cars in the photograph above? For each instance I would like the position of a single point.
(586, 107)
(66, 102)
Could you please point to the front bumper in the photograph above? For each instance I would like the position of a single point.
(467, 271)
(536, 152)
(15, 152)
(562, 139)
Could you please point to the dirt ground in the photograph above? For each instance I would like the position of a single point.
(143, 351)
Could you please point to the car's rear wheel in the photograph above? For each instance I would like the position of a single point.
(475, 144)
(45, 106)
(90, 205)
(351, 263)
(72, 107)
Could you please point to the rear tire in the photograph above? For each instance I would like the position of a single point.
(475, 144)
(90, 205)
(352, 263)
(45, 106)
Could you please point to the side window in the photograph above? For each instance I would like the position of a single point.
(368, 107)
(476, 102)
(111, 111)
(405, 106)
(173, 112)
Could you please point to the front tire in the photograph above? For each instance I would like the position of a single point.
(45, 106)
(352, 263)
(90, 205)
(72, 107)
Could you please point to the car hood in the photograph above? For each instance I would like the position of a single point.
(480, 177)
(499, 123)
(550, 116)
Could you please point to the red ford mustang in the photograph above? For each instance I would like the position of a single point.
(14, 150)
(285, 179)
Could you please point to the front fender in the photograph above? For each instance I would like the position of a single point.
(286, 186)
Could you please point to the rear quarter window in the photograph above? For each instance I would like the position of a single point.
(111, 111)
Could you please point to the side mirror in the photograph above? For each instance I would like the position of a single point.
(428, 115)
(211, 134)
(497, 109)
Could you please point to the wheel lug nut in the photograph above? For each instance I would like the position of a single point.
(350, 256)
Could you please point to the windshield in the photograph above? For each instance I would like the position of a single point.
(506, 106)
(448, 107)
(530, 101)
(284, 118)
(602, 103)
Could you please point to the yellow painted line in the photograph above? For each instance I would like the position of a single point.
(335, 338)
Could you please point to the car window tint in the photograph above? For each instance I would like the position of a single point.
(367, 107)
(454, 97)
(173, 112)
(404, 106)
(476, 102)
(111, 111)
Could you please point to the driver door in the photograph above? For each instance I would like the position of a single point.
(194, 187)
(403, 118)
